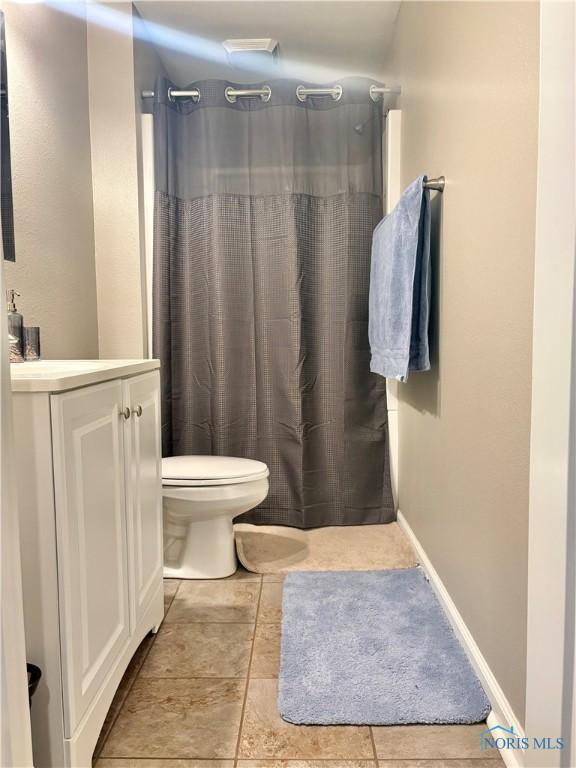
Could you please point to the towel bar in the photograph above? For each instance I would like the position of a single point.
(437, 185)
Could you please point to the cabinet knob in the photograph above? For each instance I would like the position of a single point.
(125, 412)
(137, 410)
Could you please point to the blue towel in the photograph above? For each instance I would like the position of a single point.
(400, 287)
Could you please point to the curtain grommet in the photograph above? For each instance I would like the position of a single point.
(302, 92)
(232, 94)
(174, 92)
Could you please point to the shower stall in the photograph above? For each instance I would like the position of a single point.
(258, 240)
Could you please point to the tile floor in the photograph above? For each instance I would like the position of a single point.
(202, 694)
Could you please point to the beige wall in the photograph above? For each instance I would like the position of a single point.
(76, 163)
(50, 140)
(147, 68)
(120, 66)
(119, 272)
(469, 75)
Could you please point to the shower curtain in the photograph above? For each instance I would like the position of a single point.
(264, 212)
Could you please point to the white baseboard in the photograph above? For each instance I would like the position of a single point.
(502, 712)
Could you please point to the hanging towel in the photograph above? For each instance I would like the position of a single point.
(399, 304)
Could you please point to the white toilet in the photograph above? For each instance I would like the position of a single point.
(201, 496)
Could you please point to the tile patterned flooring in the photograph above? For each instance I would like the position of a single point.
(202, 694)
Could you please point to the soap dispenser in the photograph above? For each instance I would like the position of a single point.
(15, 328)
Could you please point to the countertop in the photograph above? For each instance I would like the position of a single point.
(61, 375)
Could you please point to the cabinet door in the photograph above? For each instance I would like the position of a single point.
(87, 429)
(143, 489)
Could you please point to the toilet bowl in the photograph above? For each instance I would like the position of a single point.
(201, 495)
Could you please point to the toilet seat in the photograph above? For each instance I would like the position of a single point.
(190, 471)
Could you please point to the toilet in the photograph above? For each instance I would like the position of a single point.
(201, 496)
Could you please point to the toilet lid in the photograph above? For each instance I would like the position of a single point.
(211, 470)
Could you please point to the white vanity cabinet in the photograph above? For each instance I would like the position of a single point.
(143, 482)
(89, 468)
(91, 539)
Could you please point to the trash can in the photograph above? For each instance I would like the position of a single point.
(34, 675)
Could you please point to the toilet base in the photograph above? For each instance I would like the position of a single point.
(203, 549)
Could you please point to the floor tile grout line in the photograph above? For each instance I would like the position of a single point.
(372, 741)
(169, 759)
(188, 623)
(137, 675)
(236, 760)
(395, 760)
(403, 761)
(407, 761)
(121, 707)
(224, 580)
(243, 710)
(197, 677)
(167, 606)
(248, 759)
(217, 623)
(410, 760)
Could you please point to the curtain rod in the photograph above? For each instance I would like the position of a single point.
(302, 93)
(375, 92)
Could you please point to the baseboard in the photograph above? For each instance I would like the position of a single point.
(502, 712)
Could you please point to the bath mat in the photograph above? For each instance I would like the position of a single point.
(372, 648)
(280, 549)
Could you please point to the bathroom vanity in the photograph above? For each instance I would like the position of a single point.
(87, 441)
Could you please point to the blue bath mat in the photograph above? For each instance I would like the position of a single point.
(372, 648)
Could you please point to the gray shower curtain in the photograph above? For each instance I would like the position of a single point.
(264, 214)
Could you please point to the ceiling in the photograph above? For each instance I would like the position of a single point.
(319, 41)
